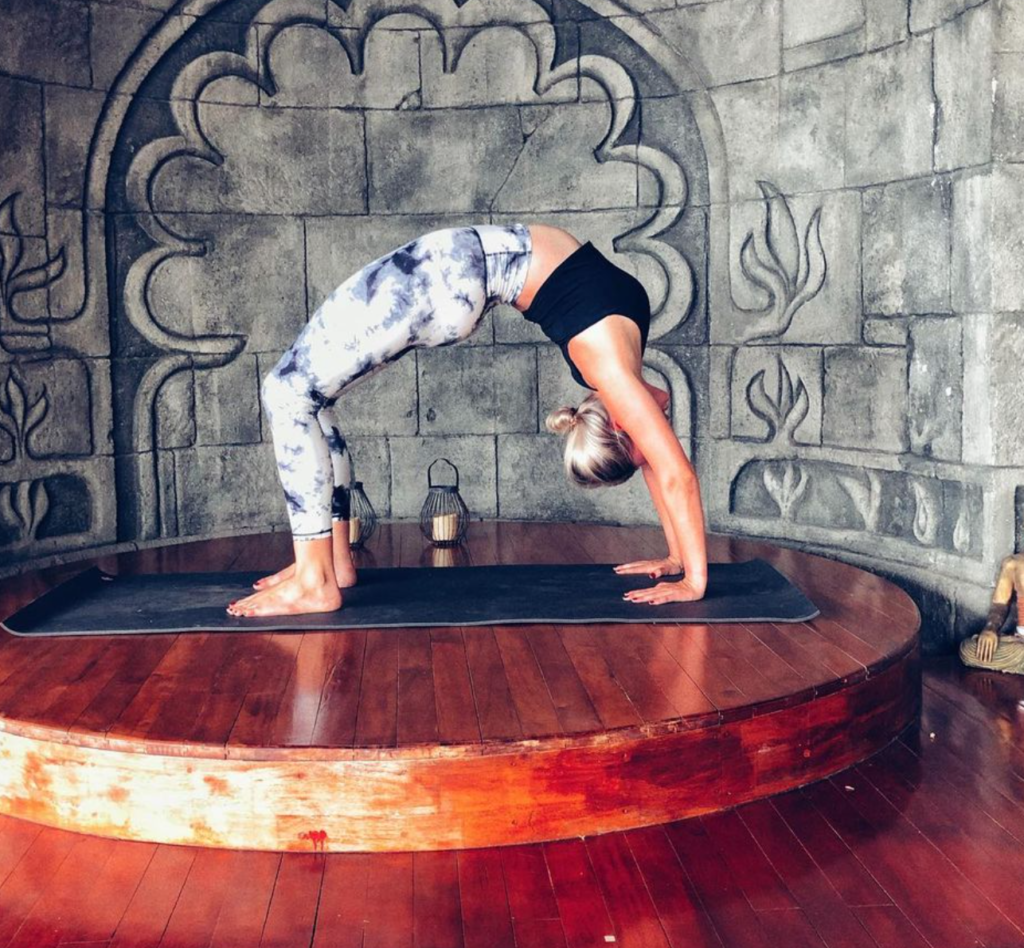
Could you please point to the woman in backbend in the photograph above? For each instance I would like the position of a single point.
(434, 291)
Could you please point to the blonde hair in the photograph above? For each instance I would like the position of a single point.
(596, 453)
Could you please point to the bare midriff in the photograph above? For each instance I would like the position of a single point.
(550, 246)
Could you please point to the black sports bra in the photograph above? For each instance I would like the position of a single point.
(584, 288)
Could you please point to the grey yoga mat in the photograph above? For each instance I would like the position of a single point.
(95, 603)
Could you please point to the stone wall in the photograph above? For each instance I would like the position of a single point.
(821, 197)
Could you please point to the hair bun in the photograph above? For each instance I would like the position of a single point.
(561, 420)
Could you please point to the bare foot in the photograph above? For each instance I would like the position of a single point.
(289, 597)
(345, 573)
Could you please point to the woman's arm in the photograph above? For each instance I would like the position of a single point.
(671, 479)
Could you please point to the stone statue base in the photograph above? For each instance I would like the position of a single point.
(1009, 656)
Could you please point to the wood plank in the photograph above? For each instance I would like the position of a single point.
(682, 915)
(331, 673)
(377, 716)
(417, 703)
(209, 885)
(889, 927)
(634, 919)
(486, 919)
(604, 690)
(154, 901)
(575, 710)
(437, 907)
(453, 690)
(528, 690)
(16, 838)
(494, 706)
(389, 884)
(855, 885)
(821, 903)
(242, 918)
(29, 880)
(898, 857)
(750, 867)
(343, 902)
(528, 884)
(735, 921)
(292, 915)
(581, 907)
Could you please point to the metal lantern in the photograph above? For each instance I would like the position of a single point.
(444, 517)
(362, 519)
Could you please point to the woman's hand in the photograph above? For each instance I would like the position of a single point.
(685, 590)
(653, 568)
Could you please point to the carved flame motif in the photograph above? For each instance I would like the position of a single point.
(786, 490)
(785, 411)
(15, 277)
(867, 498)
(19, 415)
(792, 272)
(926, 520)
(24, 505)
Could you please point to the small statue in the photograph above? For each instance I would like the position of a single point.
(989, 649)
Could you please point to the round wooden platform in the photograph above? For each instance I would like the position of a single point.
(446, 738)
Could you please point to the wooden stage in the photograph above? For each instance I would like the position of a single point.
(434, 739)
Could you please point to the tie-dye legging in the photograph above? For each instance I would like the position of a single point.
(432, 291)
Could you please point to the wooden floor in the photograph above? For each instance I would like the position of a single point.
(427, 739)
(922, 845)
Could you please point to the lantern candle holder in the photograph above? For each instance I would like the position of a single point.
(362, 518)
(444, 517)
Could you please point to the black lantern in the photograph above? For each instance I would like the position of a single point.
(444, 517)
(352, 504)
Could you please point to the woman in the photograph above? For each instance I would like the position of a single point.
(434, 291)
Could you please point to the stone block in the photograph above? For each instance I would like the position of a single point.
(116, 32)
(1010, 29)
(249, 282)
(440, 161)
(496, 66)
(886, 22)
(556, 168)
(555, 384)
(719, 391)
(906, 247)
(75, 327)
(31, 305)
(749, 114)
(809, 21)
(175, 412)
(824, 51)
(71, 116)
(993, 352)
(227, 403)
(532, 486)
(928, 14)
(833, 314)
(777, 394)
(695, 363)
(223, 489)
(963, 88)
(988, 242)
(886, 331)
(473, 455)
(889, 114)
(865, 399)
(276, 161)
(621, 39)
(668, 125)
(47, 405)
(371, 465)
(381, 404)
(21, 154)
(477, 390)
(728, 41)
(1008, 106)
(310, 68)
(935, 381)
(812, 130)
(46, 40)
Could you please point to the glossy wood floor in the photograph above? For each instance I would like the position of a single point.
(923, 845)
(427, 739)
